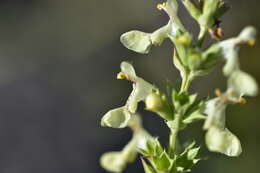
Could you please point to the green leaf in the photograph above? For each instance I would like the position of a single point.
(192, 153)
(152, 148)
(137, 41)
(187, 159)
(223, 141)
(116, 118)
(148, 168)
(183, 102)
(195, 116)
(194, 11)
(163, 162)
(178, 64)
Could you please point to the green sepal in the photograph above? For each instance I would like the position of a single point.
(157, 102)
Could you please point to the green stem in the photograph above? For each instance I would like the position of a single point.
(201, 36)
(174, 134)
(186, 82)
(175, 124)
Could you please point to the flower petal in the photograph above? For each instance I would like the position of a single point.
(243, 83)
(116, 118)
(113, 162)
(137, 41)
(216, 114)
(128, 69)
(223, 141)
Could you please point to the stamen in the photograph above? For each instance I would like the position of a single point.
(121, 76)
(252, 42)
(219, 32)
(162, 6)
(241, 101)
(218, 92)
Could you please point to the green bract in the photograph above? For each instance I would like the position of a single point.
(176, 106)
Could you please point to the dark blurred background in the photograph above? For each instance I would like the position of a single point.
(58, 62)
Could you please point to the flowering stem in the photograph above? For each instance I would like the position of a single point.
(174, 134)
(187, 78)
(201, 37)
(175, 125)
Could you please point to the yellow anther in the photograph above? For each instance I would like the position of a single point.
(241, 101)
(161, 6)
(219, 32)
(121, 76)
(218, 92)
(252, 42)
(215, 34)
(232, 94)
(210, 31)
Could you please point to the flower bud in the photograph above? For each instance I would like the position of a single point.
(158, 103)
(153, 102)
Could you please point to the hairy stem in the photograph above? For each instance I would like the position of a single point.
(175, 126)
(174, 134)
(201, 36)
(186, 82)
